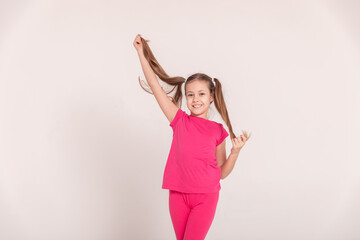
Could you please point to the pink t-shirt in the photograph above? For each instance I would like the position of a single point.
(191, 166)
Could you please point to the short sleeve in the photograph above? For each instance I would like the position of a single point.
(223, 135)
(179, 114)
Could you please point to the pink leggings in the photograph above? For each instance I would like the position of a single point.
(192, 213)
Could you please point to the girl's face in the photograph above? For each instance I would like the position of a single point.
(198, 98)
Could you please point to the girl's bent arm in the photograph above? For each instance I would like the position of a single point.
(167, 106)
(228, 166)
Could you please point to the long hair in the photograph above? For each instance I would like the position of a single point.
(176, 82)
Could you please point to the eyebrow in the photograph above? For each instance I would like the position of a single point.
(198, 91)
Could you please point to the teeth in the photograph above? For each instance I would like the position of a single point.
(196, 106)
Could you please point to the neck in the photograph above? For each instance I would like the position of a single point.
(204, 115)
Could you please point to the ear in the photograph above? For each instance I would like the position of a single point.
(211, 98)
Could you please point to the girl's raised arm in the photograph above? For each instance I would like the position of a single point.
(166, 105)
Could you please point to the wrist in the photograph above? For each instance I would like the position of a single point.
(235, 153)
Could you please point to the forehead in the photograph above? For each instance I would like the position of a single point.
(197, 86)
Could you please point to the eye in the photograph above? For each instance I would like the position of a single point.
(190, 94)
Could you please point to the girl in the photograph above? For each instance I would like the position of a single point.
(197, 158)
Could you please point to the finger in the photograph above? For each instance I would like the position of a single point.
(246, 134)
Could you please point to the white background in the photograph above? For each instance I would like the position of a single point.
(83, 147)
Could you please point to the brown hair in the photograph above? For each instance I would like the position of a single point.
(215, 90)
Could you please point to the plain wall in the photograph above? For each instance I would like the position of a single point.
(83, 147)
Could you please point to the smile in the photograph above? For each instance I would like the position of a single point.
(197, 106)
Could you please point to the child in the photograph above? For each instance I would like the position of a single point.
(197, 158)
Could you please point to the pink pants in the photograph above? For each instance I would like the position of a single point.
(192, 213)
